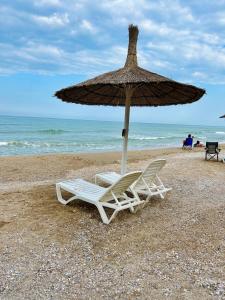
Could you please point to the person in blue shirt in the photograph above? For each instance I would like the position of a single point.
(188, 141)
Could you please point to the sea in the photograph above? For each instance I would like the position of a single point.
(32, 135)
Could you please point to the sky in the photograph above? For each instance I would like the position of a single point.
(46, 45)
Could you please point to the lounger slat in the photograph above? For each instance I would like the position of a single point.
(122, 184)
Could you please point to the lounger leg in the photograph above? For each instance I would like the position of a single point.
(162, 196)
(113, 215)
(60, 198)
(103, 215)
(165, 193)
(133, 209)
(145, 202)
(148, 198)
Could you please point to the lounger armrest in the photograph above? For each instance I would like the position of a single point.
(218, 150)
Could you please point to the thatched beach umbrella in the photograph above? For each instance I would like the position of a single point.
(130, 86)
(222, 116)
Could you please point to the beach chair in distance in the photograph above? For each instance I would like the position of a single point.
(212, 150)
(148, 184)
(113, 197)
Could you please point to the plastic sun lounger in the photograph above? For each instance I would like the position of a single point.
(148, 184)
(113, 197)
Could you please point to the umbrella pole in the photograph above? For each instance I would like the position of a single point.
(128, 92)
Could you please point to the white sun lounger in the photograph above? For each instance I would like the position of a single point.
(113, 197)
(148, 184)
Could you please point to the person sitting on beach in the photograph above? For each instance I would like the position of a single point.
(188, 142)
(198, 144)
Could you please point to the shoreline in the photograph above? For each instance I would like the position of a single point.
(90, 153)
(131, 153)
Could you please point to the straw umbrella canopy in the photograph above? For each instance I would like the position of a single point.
(222, 116)
(130, 86)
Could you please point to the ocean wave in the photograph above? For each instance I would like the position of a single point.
(4, 144)
(42, 131)
(7, 124)
(23, 144)
(140, 138)
(52, 131)
(42, 144)
(220, 132)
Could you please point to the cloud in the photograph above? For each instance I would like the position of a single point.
(48, 59)
(126, 8)
(54, 20)
(200, 75)
(177, 9)
(152, 27)
(48, 3)
(178, 39)
(88, 27)
(36, 51)
(220, 18)
(163, 29)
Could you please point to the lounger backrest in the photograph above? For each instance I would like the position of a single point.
(211, 147)
(151, 171)
(121, 185)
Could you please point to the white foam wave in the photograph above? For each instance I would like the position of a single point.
(220, 132)
(140, 138)
(3, 144)
(23, 144)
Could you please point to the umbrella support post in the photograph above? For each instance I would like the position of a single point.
(128, 92)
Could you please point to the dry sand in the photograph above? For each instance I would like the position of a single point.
(172, 249)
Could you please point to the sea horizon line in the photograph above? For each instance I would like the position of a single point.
(109, 121)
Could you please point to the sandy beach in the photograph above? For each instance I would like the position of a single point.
(173, 248)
